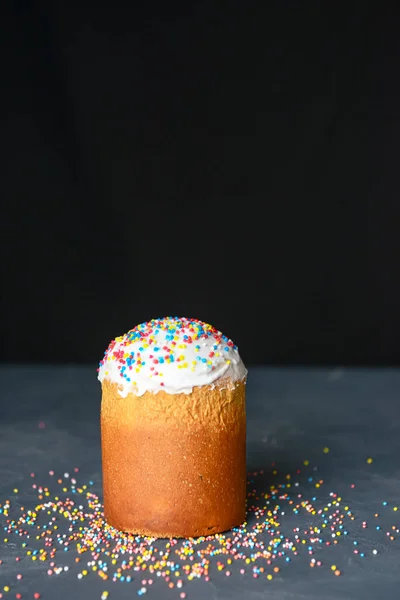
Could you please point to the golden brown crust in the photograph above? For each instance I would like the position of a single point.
(174, 465)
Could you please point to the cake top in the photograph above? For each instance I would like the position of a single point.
(171, 354)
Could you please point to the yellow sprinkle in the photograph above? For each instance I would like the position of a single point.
(333, 567)
(306, 462)
(269, 576)
(326, 450)
(395, 508)
(6, 588)
(369, 460)
(15, 490)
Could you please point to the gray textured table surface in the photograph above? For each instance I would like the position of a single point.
(312, 430)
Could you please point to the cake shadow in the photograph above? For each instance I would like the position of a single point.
(284, 473)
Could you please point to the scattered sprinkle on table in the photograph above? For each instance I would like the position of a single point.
(64, 530)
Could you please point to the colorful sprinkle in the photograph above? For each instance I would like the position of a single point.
(67, 518)
(204, 354)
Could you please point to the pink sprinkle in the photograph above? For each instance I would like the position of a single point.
(227, 573)
(19, 576)
(242, 571)
(42, 424)
(144, 581)
(182, 595)
(51, 472)
(352, 485)
(32, 474)
(150, 581)
(49, 572)
(76, 469)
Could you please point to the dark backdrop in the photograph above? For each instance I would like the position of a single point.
(232, 161)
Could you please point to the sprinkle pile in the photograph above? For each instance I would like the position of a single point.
(161, 348)
(65, 531)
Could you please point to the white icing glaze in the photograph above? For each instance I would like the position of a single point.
(171, 354)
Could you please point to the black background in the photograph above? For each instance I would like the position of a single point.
(231, 161)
